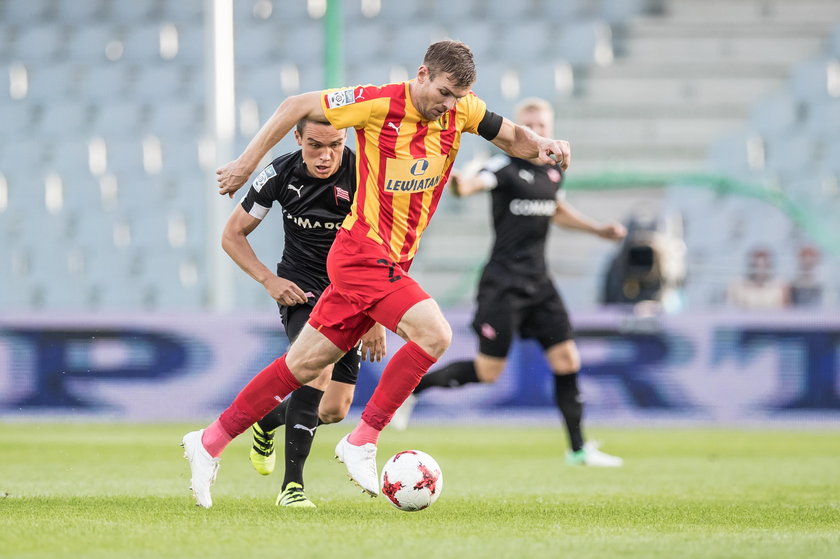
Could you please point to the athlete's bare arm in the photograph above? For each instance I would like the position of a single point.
(569, 217)
(521, 142)
(235, 243)
(234, 174)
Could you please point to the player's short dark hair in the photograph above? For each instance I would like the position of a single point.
(451, 57)
(301, 124)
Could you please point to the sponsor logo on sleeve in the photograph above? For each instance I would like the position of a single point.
(263, 177)
(340, 98)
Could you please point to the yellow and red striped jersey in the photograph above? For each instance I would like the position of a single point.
(402, 160)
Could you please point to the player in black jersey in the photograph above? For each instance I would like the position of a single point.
(516, 293)
(314, 186)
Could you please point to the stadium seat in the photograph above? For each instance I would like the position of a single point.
(18, 121)
(86, 43)
(54, 82)
(257, 44)
(584, 43)
(563, 12)
(185, 11)
(142, 43)
(480, 36)
(25, 13)
(37, 43)
(191, 48)
(454, 14)
(24, 156)
(119, 119)
(70, 158)
(823, 119)
(65, 120)
(816, 80)
(131, 13)
(79, 12)
(105, 83)
(739, 153)
(789, 152)
(408, 46)
(526, 41)
(159, 82)
(507, 12)
(363, 43)
(775, 113)
(182, 119)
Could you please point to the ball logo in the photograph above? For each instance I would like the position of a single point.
(419, 168)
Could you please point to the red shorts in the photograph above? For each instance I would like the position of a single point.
(366, 287)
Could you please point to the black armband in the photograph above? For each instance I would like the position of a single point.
(489, 126)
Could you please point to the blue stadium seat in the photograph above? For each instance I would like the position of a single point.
(563, 12)
(18, 121)
(141, 43)
(811, 82)
(178, 118)
(739, 153)
(119, 119)
(454, 14)
(583, 43)
(363, 43)
(105, 83)
(480, 36)
(185, 11)
(54, 82)
(823, 119)
(86, 43)
(789, 152)
(25, 13)
(79, 12)
(526, 41)
(257, 44)
(63, 120)
(161, 82)
(37, 43)
(70, 158)
(507, 12)
(131, 13)
(22, 156)
(775, 113)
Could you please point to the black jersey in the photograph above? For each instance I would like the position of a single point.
(524, 201)
(313, 209)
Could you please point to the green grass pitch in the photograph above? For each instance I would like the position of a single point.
(105, 491)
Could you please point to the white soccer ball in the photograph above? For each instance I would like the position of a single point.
(411, 480)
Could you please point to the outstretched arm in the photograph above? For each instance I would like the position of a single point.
(235, 243)
(234, 174)
(569, 217)
(521, 142)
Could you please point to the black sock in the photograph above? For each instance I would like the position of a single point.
(454, 374)
(301, 422)
(275, 418)
(568, 399)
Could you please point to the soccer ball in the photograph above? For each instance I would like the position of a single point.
(411, 480)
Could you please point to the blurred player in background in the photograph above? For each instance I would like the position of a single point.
(408, 134)
(516, 295)
(314, 186)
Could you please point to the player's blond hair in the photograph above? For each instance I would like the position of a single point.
(533, 104)
(451, 57)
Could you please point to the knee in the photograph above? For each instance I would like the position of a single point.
(333, 413)
(566, 363)
(436, 338)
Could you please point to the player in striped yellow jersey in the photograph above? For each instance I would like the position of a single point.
(407, 137)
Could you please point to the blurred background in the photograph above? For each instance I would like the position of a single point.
(710, 127)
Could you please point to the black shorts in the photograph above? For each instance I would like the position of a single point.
(510, 305)
(346, 370)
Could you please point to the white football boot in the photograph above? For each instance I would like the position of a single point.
(361, 464)
(202, 466)
(590, 455)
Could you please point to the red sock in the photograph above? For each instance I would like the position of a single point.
(399, 379)
(259, 397)
(215, 439)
